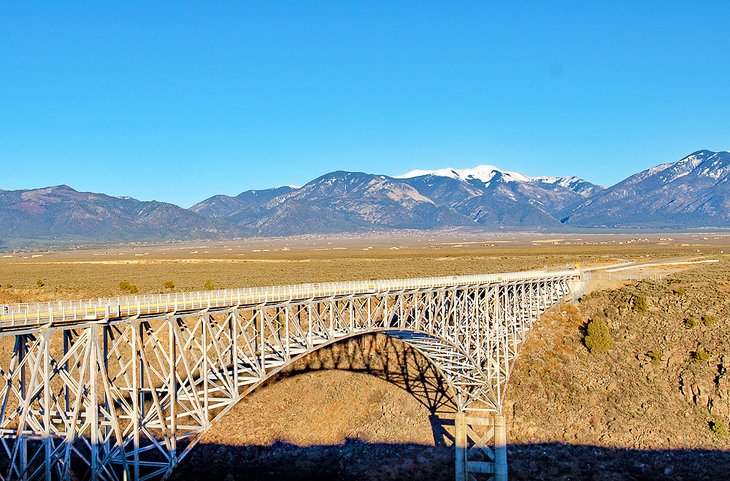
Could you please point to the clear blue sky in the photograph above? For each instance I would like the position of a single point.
(179, 101)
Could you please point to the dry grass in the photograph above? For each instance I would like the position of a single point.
(71, 275)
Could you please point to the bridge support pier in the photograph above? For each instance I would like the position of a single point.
(481, 447)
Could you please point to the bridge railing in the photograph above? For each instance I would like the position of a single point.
(35, 314)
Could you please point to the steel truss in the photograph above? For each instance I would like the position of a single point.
(128, 397)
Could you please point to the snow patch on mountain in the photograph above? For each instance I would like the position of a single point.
(568, 182)
(484, 173)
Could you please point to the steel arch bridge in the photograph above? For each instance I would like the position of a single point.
(123, 388)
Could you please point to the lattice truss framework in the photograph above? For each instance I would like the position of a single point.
(128, 398)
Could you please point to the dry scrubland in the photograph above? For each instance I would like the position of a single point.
(372, 409)
(94, 273)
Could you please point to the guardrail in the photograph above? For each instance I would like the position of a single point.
(38, 314)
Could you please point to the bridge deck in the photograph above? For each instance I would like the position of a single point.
(35, 315)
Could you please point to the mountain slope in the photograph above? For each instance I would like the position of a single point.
(691, 192)
(494, 197)
(223, 206)
(353, 201)
(494, 204)
(61, 213)
(243, 210)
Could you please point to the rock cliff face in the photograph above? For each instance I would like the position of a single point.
(707, 392)
(653, 390)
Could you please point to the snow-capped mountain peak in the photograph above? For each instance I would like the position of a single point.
(484, 173)
(704, 163)
(562, 181)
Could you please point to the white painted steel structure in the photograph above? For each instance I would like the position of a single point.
(123, 388)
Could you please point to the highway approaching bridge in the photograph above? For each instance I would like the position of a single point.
(123, 388)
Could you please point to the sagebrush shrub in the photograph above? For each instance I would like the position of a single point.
(128, 287)
(690, 322)
(655, 356)
(598, 338)
(708, 320)
(641, 304)
(719, 428)
(700, 355)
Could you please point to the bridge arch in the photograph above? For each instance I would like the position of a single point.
(455, 368)
(401, 336)
(370, 397)
(376, 353)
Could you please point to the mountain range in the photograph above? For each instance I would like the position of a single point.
(690, 193)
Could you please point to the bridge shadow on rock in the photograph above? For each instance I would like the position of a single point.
(358, 460)
(391, 360)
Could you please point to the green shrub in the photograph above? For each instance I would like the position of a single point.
(39, 283)
(655, 356)
(128, 287)
(598, 338)
(708, 320)
(169, 285)
(209, 286)
(700, 355)
(690, 322)
(641, 304)
(680, 291)
(719, 428)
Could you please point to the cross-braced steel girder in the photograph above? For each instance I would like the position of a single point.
(128, 396)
